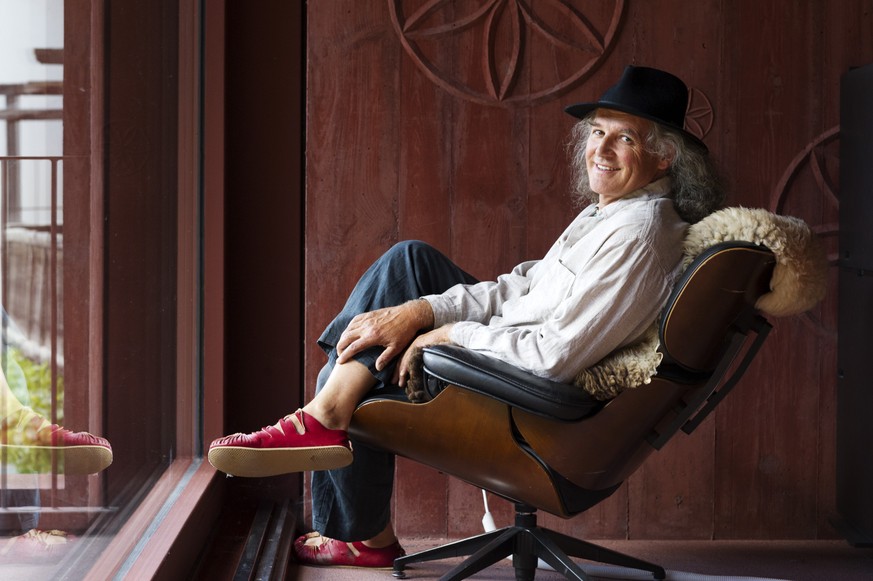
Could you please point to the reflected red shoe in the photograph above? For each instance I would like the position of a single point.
(32, 441)
(296, 443)
(326, 552)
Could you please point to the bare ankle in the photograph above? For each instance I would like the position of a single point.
(383, 539)
(379, 544)
(326, 417)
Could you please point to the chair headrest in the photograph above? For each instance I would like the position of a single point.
(722, 284)
(799, 279)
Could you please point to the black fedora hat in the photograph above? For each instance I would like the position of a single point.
(649, 93)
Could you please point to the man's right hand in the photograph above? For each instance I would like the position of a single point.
(392, 328)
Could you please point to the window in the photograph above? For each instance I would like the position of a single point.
(100, 268)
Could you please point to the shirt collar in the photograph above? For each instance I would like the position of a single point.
(657, 189)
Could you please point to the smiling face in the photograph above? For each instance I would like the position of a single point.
(616, 157)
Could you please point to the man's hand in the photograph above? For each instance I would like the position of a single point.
(440, 335)
(392, 328)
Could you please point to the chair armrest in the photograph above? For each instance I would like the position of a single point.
(454, 365)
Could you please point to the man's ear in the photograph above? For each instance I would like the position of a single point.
(665, 162)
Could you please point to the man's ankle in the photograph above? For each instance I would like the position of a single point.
(380, 544)
(324, 417)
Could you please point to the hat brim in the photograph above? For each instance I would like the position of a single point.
(581, 110)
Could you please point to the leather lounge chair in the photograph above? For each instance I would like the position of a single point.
(550, 446)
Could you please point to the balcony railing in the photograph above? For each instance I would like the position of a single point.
(31, 295)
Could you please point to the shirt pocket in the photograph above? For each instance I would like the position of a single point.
(547, 292)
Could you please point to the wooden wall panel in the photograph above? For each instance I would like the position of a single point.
(352, 163)
(768, 436)
(395, 152)
(351, 160)
(671, 497)
(425, 185)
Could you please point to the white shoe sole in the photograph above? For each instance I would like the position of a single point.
(70, 459)
(260, 462)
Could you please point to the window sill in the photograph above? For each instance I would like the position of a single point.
(167, 531)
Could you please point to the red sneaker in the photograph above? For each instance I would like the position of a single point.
(297, 443)
(327, 552)
(31, 441)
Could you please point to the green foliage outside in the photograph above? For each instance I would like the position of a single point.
(31, 382)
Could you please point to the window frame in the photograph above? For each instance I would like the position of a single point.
(171, 524)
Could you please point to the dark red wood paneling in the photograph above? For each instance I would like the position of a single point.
(398, 151)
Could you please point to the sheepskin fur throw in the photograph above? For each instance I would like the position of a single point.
(415, 383)
(800, 276)
(798, 283)
(628, 367)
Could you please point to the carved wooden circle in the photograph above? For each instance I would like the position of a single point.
(506, 52)
(809, 189)
(699, 116)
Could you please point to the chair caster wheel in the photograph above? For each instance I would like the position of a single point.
(399, 574)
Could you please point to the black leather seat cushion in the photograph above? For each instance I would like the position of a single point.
(451, 364)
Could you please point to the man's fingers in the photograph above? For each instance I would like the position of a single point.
(345, 340)
(392, 328)
(343, 355)
(401, 374)
(386, 356)
(400, 370)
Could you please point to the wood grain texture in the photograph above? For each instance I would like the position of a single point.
(391, 155)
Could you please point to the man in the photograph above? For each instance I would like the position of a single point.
(598, 288)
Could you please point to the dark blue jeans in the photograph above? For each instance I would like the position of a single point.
(353, 503)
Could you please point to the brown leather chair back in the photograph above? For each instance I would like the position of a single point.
(718, 290)
(726, 281)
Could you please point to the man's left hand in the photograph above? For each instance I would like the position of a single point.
(435, 337)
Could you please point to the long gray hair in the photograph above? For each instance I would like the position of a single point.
(697, 186)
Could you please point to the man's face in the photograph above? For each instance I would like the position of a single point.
(616, 157)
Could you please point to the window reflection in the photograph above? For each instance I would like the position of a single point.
(89, 285)
(48, 496)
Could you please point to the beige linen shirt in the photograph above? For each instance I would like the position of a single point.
(598, 288)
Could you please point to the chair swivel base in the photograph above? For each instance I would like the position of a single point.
(526, 543)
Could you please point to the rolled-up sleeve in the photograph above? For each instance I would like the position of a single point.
(480, 302)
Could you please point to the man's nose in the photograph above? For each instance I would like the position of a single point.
(604, 146)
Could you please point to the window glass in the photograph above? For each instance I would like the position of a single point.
(88, 253)
(31, 253)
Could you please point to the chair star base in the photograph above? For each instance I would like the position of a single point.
(526, 543)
